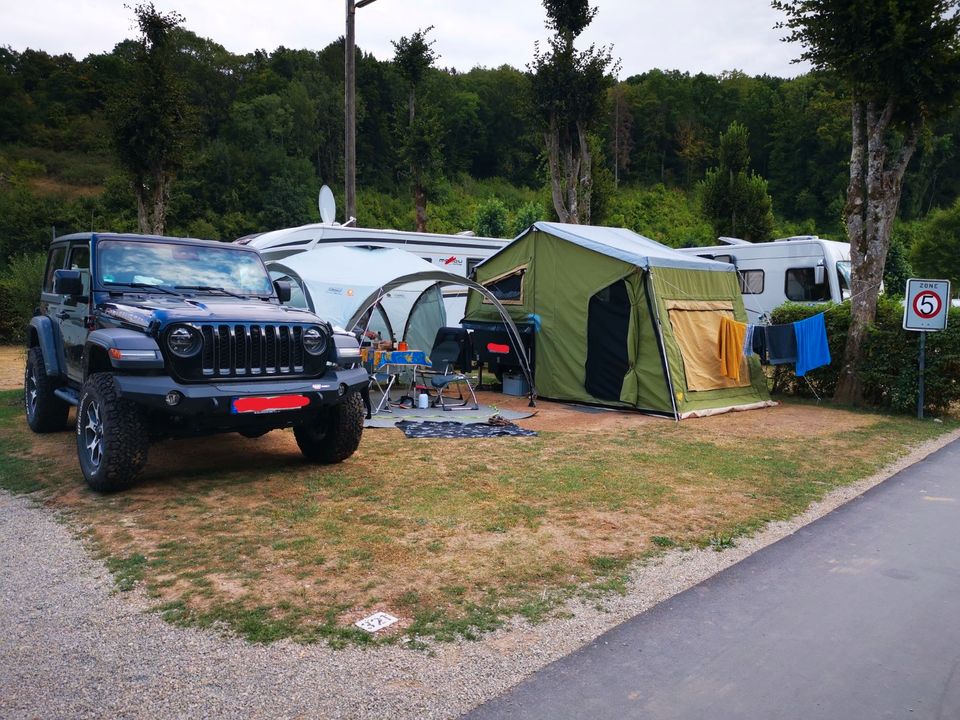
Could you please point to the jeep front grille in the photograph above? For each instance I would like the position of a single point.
(251, 350)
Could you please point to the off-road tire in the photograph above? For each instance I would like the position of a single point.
(335, 434)
(112, 438)
(45, 411)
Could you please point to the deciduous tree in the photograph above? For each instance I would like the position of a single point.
(420, 134)
(569, 87)
(151, 125)
(900, 63)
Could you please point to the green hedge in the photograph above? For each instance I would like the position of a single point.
(20, 283)
(889, 371)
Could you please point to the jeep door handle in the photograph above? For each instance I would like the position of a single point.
(62, 315)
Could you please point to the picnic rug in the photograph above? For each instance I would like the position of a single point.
(396, 414)
(453, 429)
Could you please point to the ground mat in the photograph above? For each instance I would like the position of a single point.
(397, 414)
(451, 429)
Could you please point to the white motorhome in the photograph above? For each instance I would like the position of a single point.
(458, 254)
(803, 268)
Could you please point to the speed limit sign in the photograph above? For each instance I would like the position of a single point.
(927, 305)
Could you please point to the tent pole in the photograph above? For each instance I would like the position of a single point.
(444, 278)
(655, 314)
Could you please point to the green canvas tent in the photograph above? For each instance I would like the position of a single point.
(620, 320)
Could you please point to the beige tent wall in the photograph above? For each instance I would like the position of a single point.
(675, 286)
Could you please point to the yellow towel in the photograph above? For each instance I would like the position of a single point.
(730, 345)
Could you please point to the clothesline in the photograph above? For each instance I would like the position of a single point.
(827, 310)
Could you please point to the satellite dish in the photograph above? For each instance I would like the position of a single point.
(328, 206)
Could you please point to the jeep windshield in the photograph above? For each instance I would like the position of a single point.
(173, 267)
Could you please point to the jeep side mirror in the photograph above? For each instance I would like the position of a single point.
(283, 290)
(67, 282)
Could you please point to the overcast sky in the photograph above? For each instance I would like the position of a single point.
(691, 35)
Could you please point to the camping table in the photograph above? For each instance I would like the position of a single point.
(390, 363)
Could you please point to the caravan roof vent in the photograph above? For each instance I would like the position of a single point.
(803, 237)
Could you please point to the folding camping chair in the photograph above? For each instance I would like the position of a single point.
(450, 358)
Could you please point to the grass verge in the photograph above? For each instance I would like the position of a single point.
(451, 536)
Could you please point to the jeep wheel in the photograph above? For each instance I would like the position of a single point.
(335, 434)
(45, 411)
(112, 437)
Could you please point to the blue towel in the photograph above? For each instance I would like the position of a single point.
(781, 344)
(812, 348)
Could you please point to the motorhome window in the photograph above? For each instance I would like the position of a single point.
(801, 286)
(55, 263)
(508, 288)
(427, 258)
(843, 277)
(751, 282)
(725, 258)
(472, 265)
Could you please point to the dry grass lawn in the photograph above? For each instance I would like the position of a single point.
(449, 535)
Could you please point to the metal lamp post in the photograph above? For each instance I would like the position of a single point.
(350, 110)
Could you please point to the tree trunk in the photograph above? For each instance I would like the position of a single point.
(420, 206)
(570, 173)
(153, 201)
(873, 196)
(585, 180)
(559, 186)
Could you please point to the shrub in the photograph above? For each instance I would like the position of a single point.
(491, 219)
(20, 285)
(890, 366)
(527, 214)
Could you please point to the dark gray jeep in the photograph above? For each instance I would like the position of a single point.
(153, 337)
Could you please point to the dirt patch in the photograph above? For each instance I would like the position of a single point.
(12, 358)
(789, 420)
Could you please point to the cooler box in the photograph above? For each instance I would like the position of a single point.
(515, 385)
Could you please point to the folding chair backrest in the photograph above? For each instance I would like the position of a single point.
(451, 349)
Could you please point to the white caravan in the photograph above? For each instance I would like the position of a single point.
(458, 254)
(803, 268)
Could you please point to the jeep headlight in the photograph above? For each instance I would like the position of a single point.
(184, 341)
(314, 341)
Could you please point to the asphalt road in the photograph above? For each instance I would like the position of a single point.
(857, 615)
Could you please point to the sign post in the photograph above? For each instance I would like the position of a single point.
(926, 310)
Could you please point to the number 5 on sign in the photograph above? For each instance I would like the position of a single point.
(927, 305)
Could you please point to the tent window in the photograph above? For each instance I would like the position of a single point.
(507, 288)
(608, 321)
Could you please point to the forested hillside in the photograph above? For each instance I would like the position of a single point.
(268, 130)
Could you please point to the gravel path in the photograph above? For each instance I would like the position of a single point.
(72, 648)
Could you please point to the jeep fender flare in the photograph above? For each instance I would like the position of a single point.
(44, 333)
(142, 351)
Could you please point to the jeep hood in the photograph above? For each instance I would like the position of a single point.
(142, 311)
